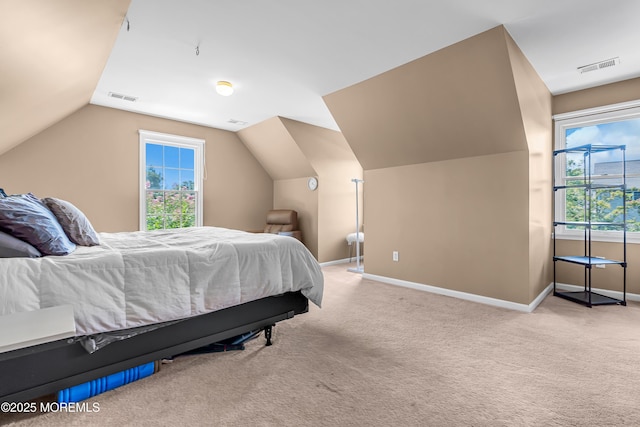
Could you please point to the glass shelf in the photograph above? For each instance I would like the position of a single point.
(588, 298)
(590, 194)
(586, 260)
(591, 186)
(590, 148)
(588, 224)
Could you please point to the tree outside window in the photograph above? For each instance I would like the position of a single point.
(605, 205)
(172, 182)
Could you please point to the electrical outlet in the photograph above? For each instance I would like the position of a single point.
(395, 256)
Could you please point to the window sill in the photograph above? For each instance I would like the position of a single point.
(632, 238)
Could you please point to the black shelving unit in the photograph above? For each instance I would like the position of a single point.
(590, 190)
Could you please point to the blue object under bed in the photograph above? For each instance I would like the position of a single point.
(89, 389)
(92, 388)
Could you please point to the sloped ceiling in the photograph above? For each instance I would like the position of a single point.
(326, 150)
(283, 56)
(53, 53)
(534, 100)
(290, 149)
(276, 150)
(458, 102)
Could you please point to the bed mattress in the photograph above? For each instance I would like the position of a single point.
(140, 278)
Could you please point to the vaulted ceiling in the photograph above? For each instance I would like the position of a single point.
(282, 57)
(52, 55)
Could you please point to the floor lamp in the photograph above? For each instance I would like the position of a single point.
(359, 268)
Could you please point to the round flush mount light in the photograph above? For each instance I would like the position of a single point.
(224, 88)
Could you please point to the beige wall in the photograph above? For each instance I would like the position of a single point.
(457, 175)
(291, 152)
(457, 102)
(457, 224)
(91, 159)
(294, 194)
(611, 276)
(627, 90)
(535, 102)
(335, 164)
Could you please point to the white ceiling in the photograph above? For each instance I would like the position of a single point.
(282, 56)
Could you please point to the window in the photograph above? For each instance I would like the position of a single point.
(170, 181)
(614, 125)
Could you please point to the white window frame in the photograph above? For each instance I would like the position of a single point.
(177, 141)
(581, 118)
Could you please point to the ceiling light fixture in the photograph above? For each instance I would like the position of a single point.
(237, 122)
(224, 88)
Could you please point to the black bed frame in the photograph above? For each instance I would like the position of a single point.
(40, 370)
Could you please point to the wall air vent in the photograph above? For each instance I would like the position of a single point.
(123, 97)
(599, 65)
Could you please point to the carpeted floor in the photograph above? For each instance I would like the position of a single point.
(379, 355)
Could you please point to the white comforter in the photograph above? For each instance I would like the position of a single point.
(139, 278)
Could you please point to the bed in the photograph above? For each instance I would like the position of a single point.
(143, 296)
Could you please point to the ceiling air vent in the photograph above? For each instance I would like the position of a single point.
(599, 65)
(123, 97)
(236, 122)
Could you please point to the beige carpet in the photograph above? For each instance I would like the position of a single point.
(379, 355)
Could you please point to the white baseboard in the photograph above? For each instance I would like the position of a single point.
(527, 308)
(340, 261)
(605, 292)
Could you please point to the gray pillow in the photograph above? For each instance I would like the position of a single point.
(25, 217)
(10, 247)
(74, 223)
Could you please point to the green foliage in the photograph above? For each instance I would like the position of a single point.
(154, 179)
(186, 185)
(171, 209)
(605, 205)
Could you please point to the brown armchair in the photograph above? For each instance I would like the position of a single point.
(283, 221)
